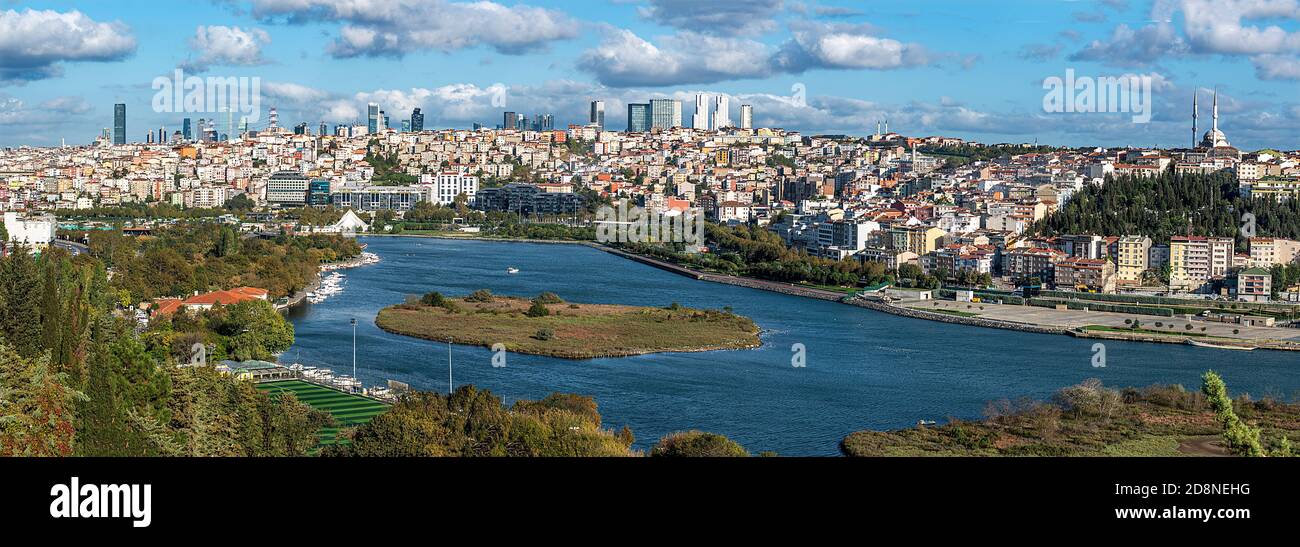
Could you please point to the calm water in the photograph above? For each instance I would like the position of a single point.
(864, 369)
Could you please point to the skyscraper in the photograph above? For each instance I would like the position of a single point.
(722, 113)
(638, 118)
(598, 114)
(665, 113)
(746, 116)
(700, 120)
(186, 132)
(417, 121)
(372, 116)
(511, 121)
(119, 123)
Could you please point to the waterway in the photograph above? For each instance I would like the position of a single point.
(862, 369)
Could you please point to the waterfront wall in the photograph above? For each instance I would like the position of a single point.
(955, 319)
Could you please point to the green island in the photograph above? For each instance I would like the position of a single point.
(1090, 419)
(550, 327)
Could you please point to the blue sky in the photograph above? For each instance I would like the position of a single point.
(971, 69)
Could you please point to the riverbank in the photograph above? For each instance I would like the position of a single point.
(570, 331)
(1087, 419)
(297, 298)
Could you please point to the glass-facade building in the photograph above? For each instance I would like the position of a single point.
(638, 118)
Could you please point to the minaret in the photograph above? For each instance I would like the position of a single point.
(1216, 115)
(1194, 115)
(877, 129)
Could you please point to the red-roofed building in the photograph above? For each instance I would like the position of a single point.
(200, 302)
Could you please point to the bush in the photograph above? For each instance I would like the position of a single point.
(481, 295)
(538, 309)
(697, 444)
(548, 298)
(545, 335)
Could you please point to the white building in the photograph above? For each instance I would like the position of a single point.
(445, 187)
(722, 113)
(36, 232)
(700, 121)
(746, 116)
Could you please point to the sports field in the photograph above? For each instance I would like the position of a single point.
(348, 410)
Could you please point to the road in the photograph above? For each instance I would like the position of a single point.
(71, 246)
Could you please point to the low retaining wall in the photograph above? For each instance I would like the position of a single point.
(955, 319)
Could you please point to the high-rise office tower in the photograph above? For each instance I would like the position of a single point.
(665, 113)
(372, 116)
(119, 123)
(324, 129)
(417, 121)
(511, 121)
(598, 114)
(722, 113)
(638, 117)
(746, 116)
(700, 120)
(186, 132)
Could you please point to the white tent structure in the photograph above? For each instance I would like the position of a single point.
(349, 224)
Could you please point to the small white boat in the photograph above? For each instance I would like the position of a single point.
(1219, 346)
(512, 271)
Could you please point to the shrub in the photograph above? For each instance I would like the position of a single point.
(697, 444)
(481, 295)
(538, 309)
(545, 335)
(548, 298)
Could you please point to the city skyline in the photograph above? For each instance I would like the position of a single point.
(824, 68)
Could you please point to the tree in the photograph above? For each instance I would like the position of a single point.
(20, 302)
(256, 330)
(538, 309)
(1241, 438)
(36, 407)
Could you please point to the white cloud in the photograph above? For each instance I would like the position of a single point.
(221, 45)
(838, 46)
(33, 44)
(396, 28)
(1220, 26)
(1277, 67)
(624, 59)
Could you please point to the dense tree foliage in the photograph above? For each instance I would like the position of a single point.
(473, 422)
(1169, 205)
(76, 378)
(756, 252)
(202, 257)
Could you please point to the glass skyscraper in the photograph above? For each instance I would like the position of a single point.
(119, 123)
(638, 118)
(665, 113)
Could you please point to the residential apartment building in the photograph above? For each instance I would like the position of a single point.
(1132, 259)
(915, 239)
(1085, 274)
(1194, 261)
(1022, 264)
(1265, 252)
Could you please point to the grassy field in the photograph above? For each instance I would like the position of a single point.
(576, 331)
(348, 410)
(1084, 420)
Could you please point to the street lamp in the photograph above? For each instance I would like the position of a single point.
(354, 353)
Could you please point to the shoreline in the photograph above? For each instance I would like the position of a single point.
(297, 298)
(854, 300)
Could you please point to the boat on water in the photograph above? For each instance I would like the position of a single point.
(512, 271)
(1200, 344)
